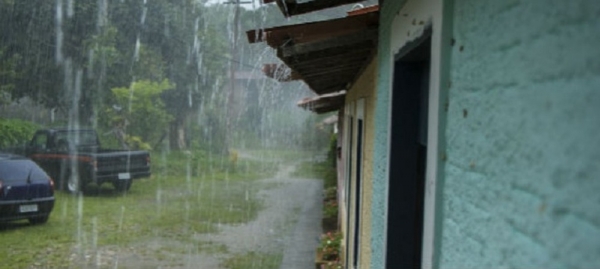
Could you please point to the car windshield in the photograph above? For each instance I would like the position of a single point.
(16, 170)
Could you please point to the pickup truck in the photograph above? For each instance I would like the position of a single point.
(74, 159)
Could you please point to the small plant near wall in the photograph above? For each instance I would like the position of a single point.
(332, 265)
(330, 194)
(330, 210)
(328, 252)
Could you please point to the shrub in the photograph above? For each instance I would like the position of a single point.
(140, 111)
(15, 132)
(330, 246)
(330, 209)
(330, 193)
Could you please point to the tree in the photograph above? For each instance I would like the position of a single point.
(139, 111)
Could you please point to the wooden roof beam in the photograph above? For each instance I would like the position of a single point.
(340, 41)
(313, 31)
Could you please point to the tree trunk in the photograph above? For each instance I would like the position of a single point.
(177, 132)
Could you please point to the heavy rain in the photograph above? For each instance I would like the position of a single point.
(214, 164)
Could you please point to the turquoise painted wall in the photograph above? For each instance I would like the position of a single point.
(380, 149)
(522, 176)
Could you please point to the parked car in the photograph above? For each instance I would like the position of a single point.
(74, 158)
(26, 191)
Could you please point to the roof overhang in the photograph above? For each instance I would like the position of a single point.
(280, 72)
(333, 119)
(293, 7)
(327, 55)
(324, 103)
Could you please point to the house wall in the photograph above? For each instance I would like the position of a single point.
(380, 143)
(364, 88)
(522, 176)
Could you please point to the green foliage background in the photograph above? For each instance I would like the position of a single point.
(15, 132)
(70, 55)
(140, 111)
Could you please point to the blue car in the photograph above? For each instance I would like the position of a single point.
(26, 191)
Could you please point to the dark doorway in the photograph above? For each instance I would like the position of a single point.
(359, 138)
(348, 186)
(408, 150)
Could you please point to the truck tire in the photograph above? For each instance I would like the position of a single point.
(122, 185)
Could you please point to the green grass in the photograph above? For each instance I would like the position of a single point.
(255, 260)
(287, 155)
(321, 170)
(186, 195)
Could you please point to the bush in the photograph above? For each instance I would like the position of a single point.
(330, 246)
(140, 111)
(15, 132)
(330, 209)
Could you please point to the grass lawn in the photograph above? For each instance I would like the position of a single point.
(255, 260)
(187, 195)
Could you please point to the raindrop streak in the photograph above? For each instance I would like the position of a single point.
(90, 68)
(143, 20)
(95, 240)
(102, 13)
(136, 52)
(80, 222)
(70, 8)
(121, 218)
(59, 32)
(158, 201)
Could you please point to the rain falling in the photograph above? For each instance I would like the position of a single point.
(166, 145)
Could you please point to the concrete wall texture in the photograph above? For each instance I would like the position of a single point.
(380, 148)
(522, 174)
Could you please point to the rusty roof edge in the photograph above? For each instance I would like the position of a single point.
(261, 35)
(292, 7)
(255, 35)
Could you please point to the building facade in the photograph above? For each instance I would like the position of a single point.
(511, 174)
(471, 139)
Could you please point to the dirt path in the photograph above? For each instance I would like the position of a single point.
(290, 221)
(289, 224)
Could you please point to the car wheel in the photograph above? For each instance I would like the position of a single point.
(39, 220)
(122, 185)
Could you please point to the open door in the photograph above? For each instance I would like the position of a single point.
(408, 150)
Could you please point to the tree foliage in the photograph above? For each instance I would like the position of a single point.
(15, 132)
(69, 56)
(140, 110)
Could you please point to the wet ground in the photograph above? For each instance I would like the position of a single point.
(288, 225)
